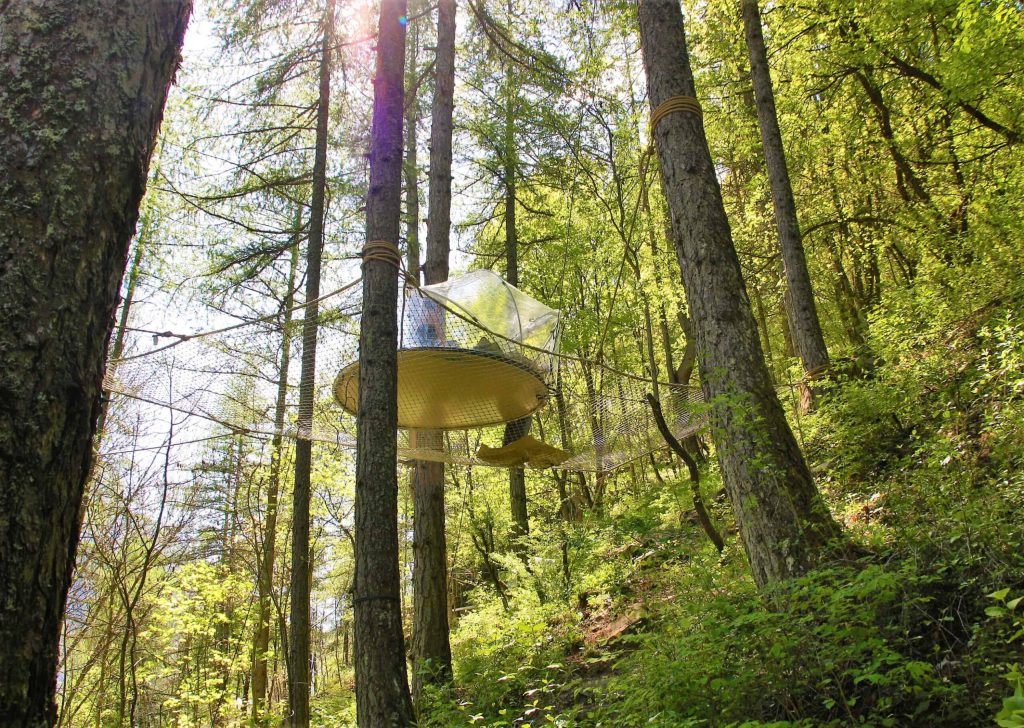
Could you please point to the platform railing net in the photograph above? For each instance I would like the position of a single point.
(226, 380)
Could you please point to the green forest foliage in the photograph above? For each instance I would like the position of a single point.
(902, 121)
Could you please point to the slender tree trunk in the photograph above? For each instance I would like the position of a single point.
(265, 578)
(663, 330)
(411, 167)
(431, 646)
(784, 524)
(299, 625)
(521, 427)
(766, 334)
(598, 436)
(439, 218)
(691, 465)
(801, 308)
(382, 687)
(226, 608)
(82, 91)
(689, 361)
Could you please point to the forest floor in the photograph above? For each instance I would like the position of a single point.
(920, 459)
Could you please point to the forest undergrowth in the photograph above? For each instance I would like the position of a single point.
(919, 455)
(553, 144)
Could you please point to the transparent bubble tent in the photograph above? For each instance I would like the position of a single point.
(473, 351)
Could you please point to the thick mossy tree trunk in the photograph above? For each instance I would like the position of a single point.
(801, 308)
(299, 623)
(382, 686)
(785, 525)
(82, 90)
(431, 646)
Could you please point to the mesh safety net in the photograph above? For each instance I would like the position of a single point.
(474, 353)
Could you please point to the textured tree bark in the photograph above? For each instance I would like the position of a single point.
(82, 90)
(521, 427)
(410, 168)
(784, 524)
(439, 219)
(298, 628)
(265, 577)
(382, 687)
(431, 646)
(801, 308)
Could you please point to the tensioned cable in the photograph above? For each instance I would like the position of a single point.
(182, 338)
(672, 105)
(390, 256)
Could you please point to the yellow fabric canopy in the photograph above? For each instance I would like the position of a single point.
(524, 451)
(454, 388)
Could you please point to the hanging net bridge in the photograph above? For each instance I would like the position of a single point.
(481, 381)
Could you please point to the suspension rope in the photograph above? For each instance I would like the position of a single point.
(382, 250)
(182, 338)
(674, 105)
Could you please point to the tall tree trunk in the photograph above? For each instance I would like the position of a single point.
(299, 625)
(265, 577)
(784, 524)
(382, 686)
(521, 427)
(439, 218)
(431, 646)
(226, 608)
(801, 309)
(82, 91)
(410, 168)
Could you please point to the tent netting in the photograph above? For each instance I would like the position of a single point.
(474, 353)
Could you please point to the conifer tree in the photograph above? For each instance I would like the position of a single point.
(785, 525)
(82, 90)
(431, 647)
(382, 686)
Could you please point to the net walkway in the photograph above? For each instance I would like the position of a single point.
(474, 353)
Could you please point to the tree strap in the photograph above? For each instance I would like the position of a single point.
(675, 104)
(382, 250)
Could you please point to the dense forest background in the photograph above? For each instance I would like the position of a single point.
(902, 124)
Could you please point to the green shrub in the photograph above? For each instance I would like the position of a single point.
(841, 646)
